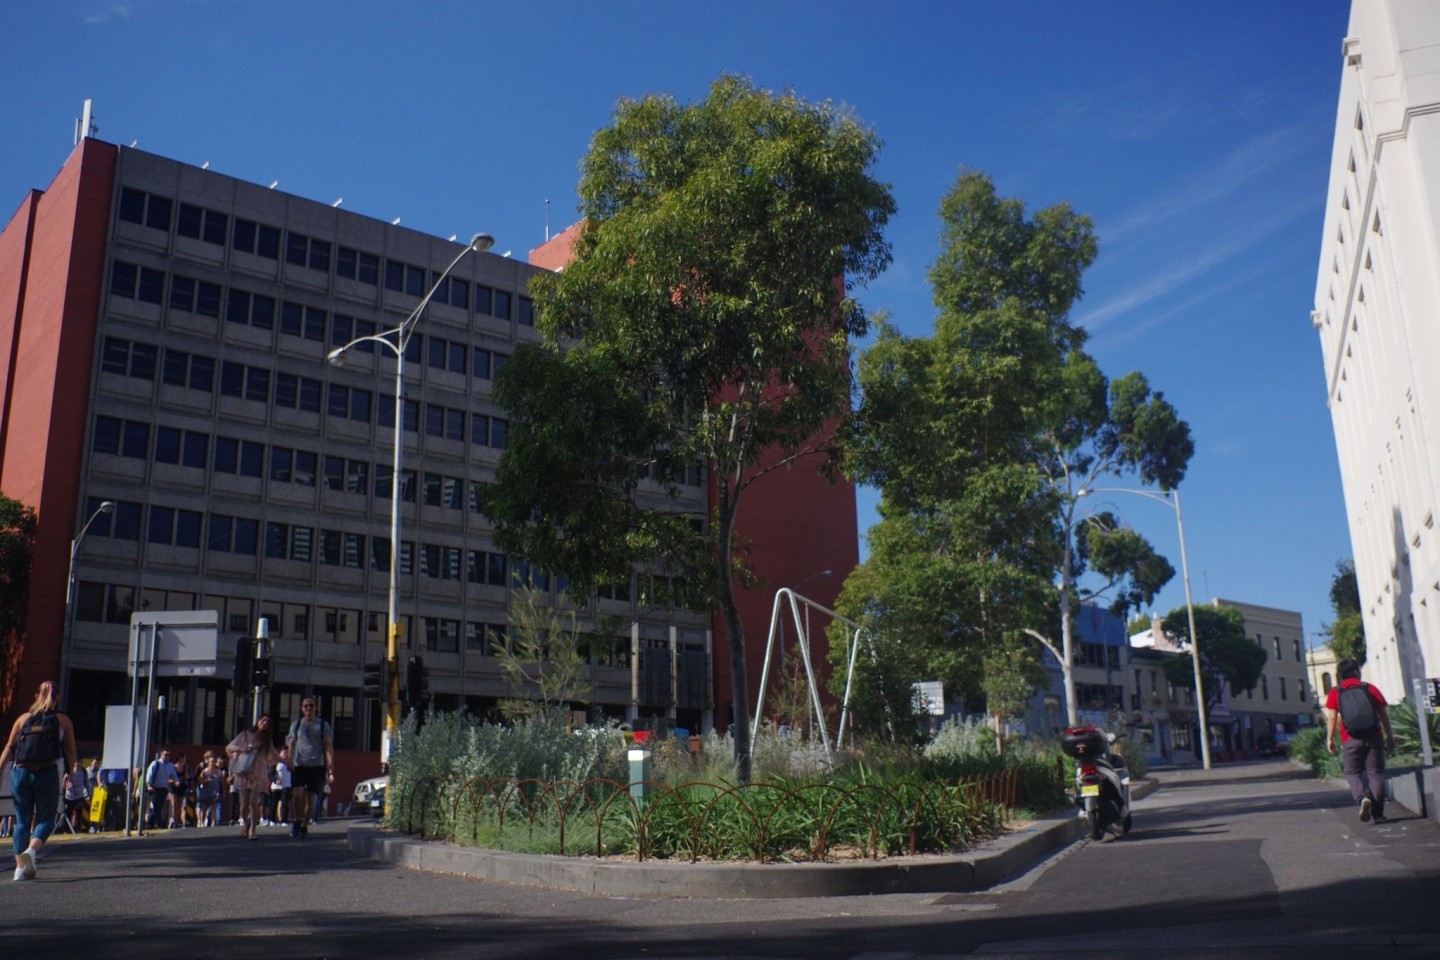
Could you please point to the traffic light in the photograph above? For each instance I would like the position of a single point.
(244, 664)
(377, 681)
(261, 672)
(417, 683)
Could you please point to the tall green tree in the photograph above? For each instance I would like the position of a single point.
(985, 437)
(1227, 656)
(17, 544)
(706, 319)
(1347, 630)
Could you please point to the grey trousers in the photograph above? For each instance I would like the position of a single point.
(1363, 759)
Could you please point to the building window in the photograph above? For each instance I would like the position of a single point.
(137, 283)
(186, 448)
(194, 296)
(197, 223)
(1284, 690)
(298, 320)
(442, 635)
(146, 209)
(256, 238)
(354, 265)
(242, 457)
(128, 358)
(250, 309)
(526, 317)
(502, 305)
(303, 251)
(189, 370)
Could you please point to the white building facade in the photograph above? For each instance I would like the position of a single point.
(1377, 313)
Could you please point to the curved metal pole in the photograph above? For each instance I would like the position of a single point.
(479, 243)
(68, 638)
(1201, 711)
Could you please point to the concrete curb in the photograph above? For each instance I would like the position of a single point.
(974, 870)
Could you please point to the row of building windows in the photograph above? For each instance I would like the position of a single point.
(141, 361)
(212, 226)
(132, 282)
(98, 602)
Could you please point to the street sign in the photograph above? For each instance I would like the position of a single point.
(180, 643)
(932, 696)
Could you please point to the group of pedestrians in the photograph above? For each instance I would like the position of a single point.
(305, 765)
(304, 769)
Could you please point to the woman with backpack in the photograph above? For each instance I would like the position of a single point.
(37, 740)
(1358, 709)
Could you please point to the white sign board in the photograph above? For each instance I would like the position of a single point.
(931, 694)
(180, 643)
(118, 723)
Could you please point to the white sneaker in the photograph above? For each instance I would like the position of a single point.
(20, 874)
(27, 864)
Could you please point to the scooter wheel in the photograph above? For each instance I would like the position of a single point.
(1092, 821)
(1125, 825)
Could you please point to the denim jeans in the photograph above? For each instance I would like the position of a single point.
(37, 802)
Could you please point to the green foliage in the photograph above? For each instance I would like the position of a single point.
(1406, 727)
(1227, 654)
(534, 788)
(1308, 747)
(546, 665)
(1347, 630)
(17, 541)
(699, 323)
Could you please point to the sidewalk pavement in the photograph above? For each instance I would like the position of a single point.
(979, 869)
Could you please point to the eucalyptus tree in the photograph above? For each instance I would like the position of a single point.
(984, 437)
(706, 319)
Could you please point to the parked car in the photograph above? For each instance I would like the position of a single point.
(364, 791)
(377, 801)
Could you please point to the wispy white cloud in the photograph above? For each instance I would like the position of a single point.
(1234, 171)
(101, 13)
(1163, 284)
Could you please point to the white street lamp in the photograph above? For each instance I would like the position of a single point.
(1189, 604)
(397, 339)
(67, 639)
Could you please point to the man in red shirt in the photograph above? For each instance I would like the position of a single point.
(1362, 752)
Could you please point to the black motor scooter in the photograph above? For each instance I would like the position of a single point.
(1102, 780)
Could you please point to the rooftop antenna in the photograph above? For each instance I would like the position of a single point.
(274, 184)
(205, 165)
(86, 125)
(547, 219)
(338, 201)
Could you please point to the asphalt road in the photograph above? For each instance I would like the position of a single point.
(1249, 860)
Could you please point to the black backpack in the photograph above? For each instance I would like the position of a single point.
(39, 739)
(1358, 711)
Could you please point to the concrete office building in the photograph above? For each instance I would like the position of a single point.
(1284, 700)
(163, 340)
(1377, 297)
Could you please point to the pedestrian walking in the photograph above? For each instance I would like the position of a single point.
(280, 790)
(312, 751)
(1359, 710)
(158, 777)
(77, 797)
(37, 740)
(251, 753)
(208, 788)
(179, 791)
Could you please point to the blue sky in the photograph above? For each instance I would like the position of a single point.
(1196, 134)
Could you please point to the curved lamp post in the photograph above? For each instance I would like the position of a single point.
(1189, 605)
(396, 340)
(68, 638)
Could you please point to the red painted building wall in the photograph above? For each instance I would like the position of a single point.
(47, 335)
(797, 524)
